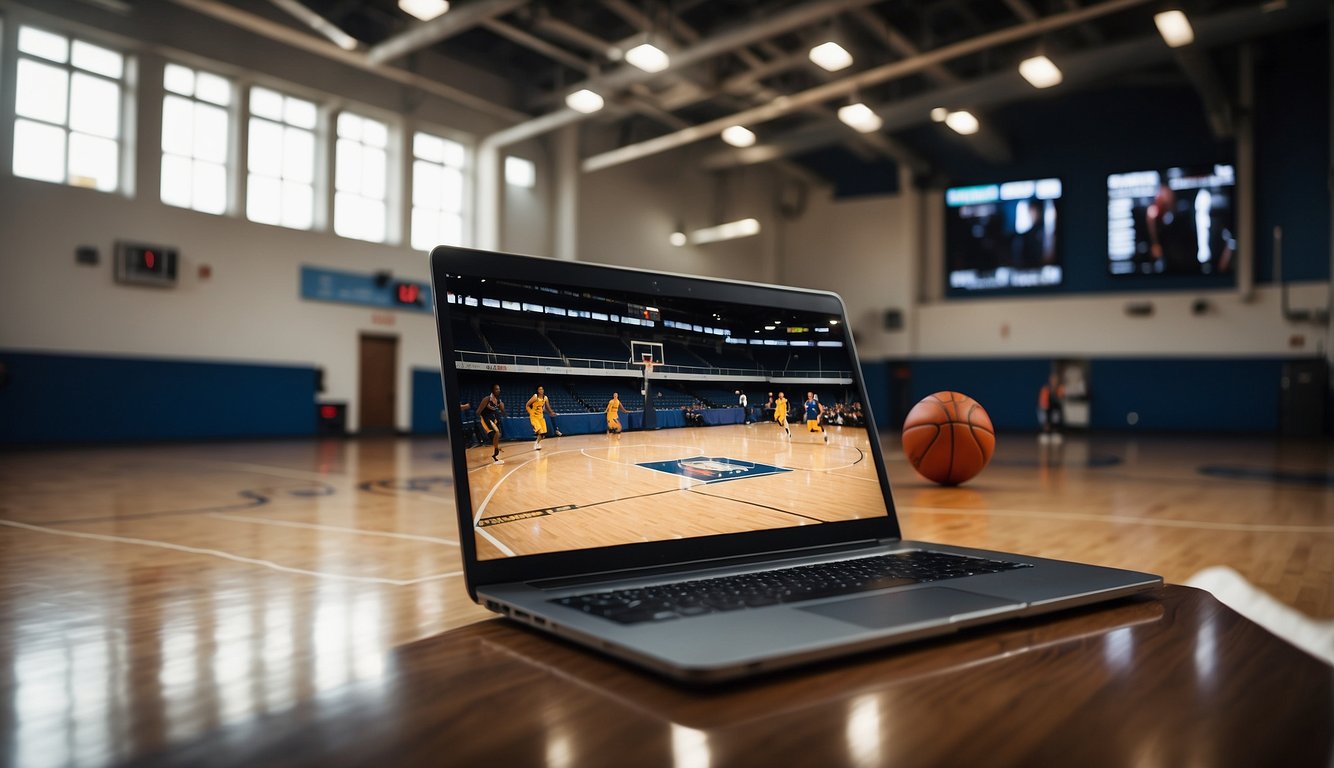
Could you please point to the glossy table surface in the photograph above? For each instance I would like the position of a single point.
(1170, 679)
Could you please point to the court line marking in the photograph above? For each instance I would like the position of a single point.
(227, 556)
(1161, 522)
(334, 528)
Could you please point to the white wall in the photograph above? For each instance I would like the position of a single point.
(250, 309)
(627, 212)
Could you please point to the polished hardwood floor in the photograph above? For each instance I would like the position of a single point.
(152, 596)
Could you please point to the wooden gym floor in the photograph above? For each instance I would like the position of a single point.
(149, 595)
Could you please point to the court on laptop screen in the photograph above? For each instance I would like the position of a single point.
(601, 419)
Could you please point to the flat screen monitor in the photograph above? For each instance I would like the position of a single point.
(1003, 235)
(1173, 221)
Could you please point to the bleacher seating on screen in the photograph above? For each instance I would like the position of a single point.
(512, 340)
(676, 353)
(465, 338)
(725, 358)
(581, 347)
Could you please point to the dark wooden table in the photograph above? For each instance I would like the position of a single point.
(1175, 679)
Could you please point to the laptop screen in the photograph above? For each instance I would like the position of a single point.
(597, 418)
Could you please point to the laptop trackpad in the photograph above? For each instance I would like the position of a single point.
(910, 607)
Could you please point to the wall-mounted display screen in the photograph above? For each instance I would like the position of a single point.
(1003, 235)
(1175, 221)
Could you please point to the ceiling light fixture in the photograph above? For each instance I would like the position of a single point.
(831, 56)
(677, 239)
(738, 136)
(585, 101)
(1040, 72)
(860, 117)
(1175, 28)
(648, 57)
(729, 231)
(962, 122)
(939, 114)
(423, 9)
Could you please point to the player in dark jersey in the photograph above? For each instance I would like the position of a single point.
(489, 412)
(813, 413)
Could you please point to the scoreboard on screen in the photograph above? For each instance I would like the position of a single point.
(142, 264)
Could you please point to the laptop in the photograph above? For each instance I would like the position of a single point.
(617, 495)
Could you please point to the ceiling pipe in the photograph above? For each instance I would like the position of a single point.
(442, 27)
(296, 39)
(849, 85)
(318, 23)
(535, 43)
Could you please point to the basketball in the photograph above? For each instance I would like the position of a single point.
(948, 438)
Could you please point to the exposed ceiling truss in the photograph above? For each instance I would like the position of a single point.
(740, 62)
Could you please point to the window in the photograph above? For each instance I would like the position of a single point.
(360, 185)
(67, 107)
(195, 131)
(281, 183)
(437, 191)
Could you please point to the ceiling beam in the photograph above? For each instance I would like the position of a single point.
(535, 43)
(295, 38)
(318, 23)
(423, 34)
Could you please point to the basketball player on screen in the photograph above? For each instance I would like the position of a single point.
(613, 414)
(535, 405)
(489, 412)
(780, 413)
(814, 412)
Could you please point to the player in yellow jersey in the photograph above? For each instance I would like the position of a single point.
(780, 413)
(535, 406)
(613, 414)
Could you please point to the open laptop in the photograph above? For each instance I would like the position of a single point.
(667, 526)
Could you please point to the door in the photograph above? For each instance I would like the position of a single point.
(379, 383)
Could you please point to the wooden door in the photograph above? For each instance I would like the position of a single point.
(379, 383)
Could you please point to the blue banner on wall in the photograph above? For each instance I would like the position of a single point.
(364, 289)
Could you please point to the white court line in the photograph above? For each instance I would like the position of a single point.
(1162, 522)
(486, 535)
(225, 556)
(334, 528)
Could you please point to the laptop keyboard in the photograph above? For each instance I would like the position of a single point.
(786, 585)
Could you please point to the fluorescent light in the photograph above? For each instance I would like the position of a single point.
(1175, 28)
(1040, 72)
(520, 172)
(677, 239)
(939, 114)
(860, 117)
(648, 57)
(833, 322)
(768, 328)
(738, 136)
(729, 231)
(962, 122)
(423, 9)
(831, 56)
(584, 101)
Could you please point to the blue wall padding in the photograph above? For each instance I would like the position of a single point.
(59, 398)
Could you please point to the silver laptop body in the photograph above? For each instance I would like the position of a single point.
(681, 499)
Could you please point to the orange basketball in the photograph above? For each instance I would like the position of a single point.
(948, 437)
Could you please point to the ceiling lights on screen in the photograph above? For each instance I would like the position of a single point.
(831, 56)
(860, 117)
(584, 100)
(1040, 72)
(738, 136)
(1175, 28)
(423, 9)
(648, 57)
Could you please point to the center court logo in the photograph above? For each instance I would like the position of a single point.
(713, 469)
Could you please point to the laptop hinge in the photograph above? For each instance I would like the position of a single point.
(695, 565)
